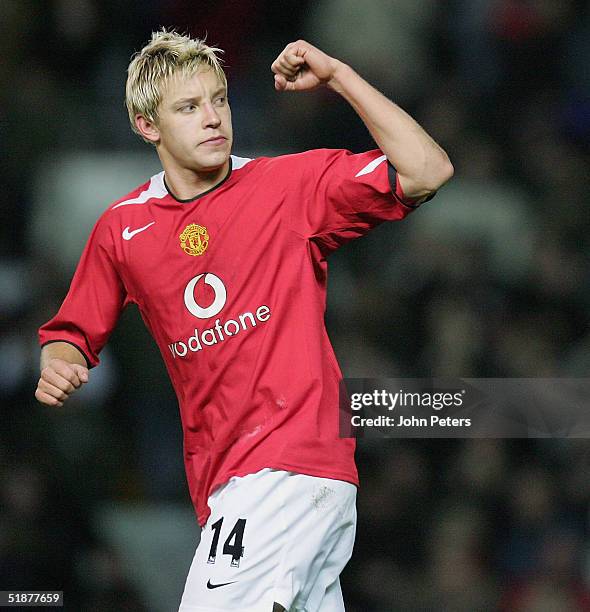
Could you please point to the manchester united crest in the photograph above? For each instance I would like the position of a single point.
(194, 240)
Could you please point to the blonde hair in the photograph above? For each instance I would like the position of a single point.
(166, 54)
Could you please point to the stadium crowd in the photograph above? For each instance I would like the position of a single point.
(490, 279)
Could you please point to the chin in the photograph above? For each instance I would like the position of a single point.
(213, 162)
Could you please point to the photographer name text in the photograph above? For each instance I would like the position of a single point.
(385, 400)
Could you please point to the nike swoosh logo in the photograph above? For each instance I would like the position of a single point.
(127, 234)
(216, 586)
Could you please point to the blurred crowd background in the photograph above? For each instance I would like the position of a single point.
(490, 279)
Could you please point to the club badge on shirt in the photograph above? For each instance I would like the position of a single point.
(194, 239)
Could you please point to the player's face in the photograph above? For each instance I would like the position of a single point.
(195, 123)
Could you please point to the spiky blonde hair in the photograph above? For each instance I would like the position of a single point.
(168, 53)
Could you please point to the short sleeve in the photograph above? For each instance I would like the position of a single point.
(94, 301)
(345, 195)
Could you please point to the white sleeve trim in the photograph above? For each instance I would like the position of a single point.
(239, 162)
(156, 189)
(371, 166)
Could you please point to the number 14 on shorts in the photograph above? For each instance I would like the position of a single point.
(233, 544)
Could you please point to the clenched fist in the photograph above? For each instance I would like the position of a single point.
(301, 67)
(59, 379)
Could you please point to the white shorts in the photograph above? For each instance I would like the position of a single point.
(273, 536)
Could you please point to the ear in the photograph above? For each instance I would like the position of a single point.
(147, 129)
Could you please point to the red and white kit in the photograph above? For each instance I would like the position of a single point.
(232, 286)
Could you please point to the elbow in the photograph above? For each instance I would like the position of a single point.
(432, 178)
(443, 173)
(437, 177)
(449, 170)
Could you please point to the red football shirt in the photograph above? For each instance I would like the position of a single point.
(232, 286)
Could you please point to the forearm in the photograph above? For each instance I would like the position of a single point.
(61, 350)
(422, 165)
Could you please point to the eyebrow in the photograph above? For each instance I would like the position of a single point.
(198, 98)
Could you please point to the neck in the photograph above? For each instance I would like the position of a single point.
(186, 184)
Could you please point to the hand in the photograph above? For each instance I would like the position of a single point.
(302, 67)
(59, 379)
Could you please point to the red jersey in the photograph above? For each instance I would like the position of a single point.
(232, 286)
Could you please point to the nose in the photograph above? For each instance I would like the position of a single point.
(210, 116)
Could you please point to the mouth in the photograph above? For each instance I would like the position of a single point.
(215, 141)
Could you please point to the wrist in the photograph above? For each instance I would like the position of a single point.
(340, 74)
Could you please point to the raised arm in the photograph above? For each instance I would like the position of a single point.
(63, 370)
(422, 165)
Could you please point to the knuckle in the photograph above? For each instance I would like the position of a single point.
(55, 365)
(45, 398)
